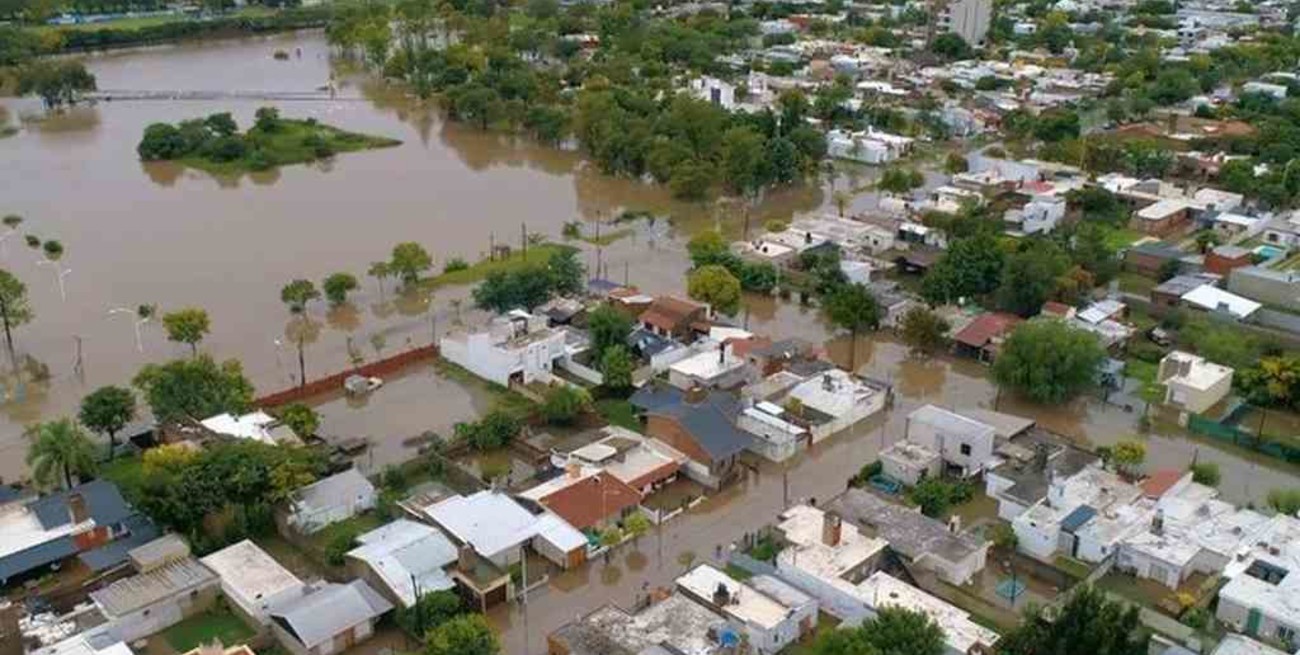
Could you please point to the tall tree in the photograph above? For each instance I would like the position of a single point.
(1030, 275)
(60, 451)
(616, 368)
(14, 310)
(853, 308)
(970, 267)
(924, 331)
(1273, 382)
(716, 286)
(380, 271)
(296, 295)
(194, 388)
(107, 410)
(607, 328)
(187, 326)
(1088, 624)
(303, 420)
(1048, 361)
(409, 260)
(337, 287)
(57, 82)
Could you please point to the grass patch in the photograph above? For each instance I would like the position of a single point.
(360, 524)
(478, 271)
(1072, 567)
(617, 411)
(1145, 373)
(142, 22)
(607, 238)
(738, 574)
(1118, 238)
(1137, 284)
(127, 473)
(218, 625)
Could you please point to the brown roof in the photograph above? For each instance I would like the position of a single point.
(667, 312)
(658, 473)
(1056, 308)
(987, 327)
(591, 500)
(1160, 482)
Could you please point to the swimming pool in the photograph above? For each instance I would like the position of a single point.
(1269, 252)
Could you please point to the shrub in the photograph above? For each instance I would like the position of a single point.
(455, 264)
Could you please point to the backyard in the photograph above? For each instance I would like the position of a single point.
(219, 625)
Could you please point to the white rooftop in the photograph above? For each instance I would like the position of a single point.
(21, 529)
(802, 526)
(1233, 644)
(834, 392)
(1201, 374)
(708, 365)
(84, 644)
(1161, 209)
(744, 602)
(1275, 545)
(882, 590)
(254, 425)
(1212, 298)
(251, 571)
(409, 557)
(489, 521)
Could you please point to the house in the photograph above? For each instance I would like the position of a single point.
(717, 368)
(827, 558)
(923, 542)
(1052, 524)
(1162, 218)
(1149, 257)
(257, 426)
(894, 304)
(1262, 597)
(1238, 645)
(715, 91)
(964, 445)
(983, 337)
(1187, 533)
(775, 436)
(91, 521)
(1104, 319)
(1231, 226)
(642, 463)
(1192, 383)
(1169, 294)
(337, 498)
(673, 317)
(587, 500)
(89, 642)
(491, 530)
(675, 624)
(154, 600)
(910, 463)
(699, 423)
(1267, 285)
(834, 400)
(868, 147)
(1029, 466)
(252, 581)
(962, 635)
(517, 347)
(404, 560)
(771, 621)
(1210, 298)
(1039, 216)
(331, 619)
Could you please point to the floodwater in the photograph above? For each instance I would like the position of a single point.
(159, 234)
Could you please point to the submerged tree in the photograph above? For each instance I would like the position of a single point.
(14, 310)
(296, 295)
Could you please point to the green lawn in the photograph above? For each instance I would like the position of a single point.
(290, 142)
(140, 22)
(737, 573)
(1145, 372)
(1134, 283)
(356, 525)
(1121, 237)
(607, 238)
(618, 412)
(480, 270)
(216, 625)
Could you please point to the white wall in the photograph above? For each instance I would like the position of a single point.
(835, 601)
(1035, 537)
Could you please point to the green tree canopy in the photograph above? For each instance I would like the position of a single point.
(194, 388)
(608, 328)
(297, 294)
(467, 634)
(616, 368)
(1030, 276)
(970, 267)
(1048, 361)
(853, 308)
(14, 310)
(563, 404)
(716, 286)
(337, 287)
(108, 409)
(409, 260)
(59, 453)
(187, 326)
(1087, 624)
(924, 331)
(303, 420)
(57, 82)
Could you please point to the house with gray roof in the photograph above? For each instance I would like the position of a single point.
(921, 541)
(330, 619)
(404, 560)
(153, 601)
(86, 522)
(1026, 468)
(329, 500)
(699, 423)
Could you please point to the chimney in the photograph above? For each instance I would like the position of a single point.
(954, 524)
(465, 557)
(721, 596)
(832, 525)
(1158, 523)
(77, 508)
(695, 395)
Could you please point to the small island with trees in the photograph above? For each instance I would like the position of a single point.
(214, 144)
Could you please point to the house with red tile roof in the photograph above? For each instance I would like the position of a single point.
(586, 500)
(674, 317)
(984, 335)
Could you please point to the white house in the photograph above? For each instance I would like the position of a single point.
(918, 540)
(329, 500)
(869, 147)
(253, 581)
(518, 347)
(257, 425)
(827, 558)
(1212, 299)
(1040, 216)
(964, 444)
(1188, 533)
(1048, 526)
(1262, 597)
(771, 622)
(910, 463)
(717, 367)
(497, 527)
(155, 600)
(835, 400)
(961, 634)
(1193, 383)
(777, 438)
(331, 619)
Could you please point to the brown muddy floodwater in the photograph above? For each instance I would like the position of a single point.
(155, 233)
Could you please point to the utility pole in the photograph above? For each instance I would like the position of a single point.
(492, 246)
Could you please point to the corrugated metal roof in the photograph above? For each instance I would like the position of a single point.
(1075, 520)
(140, 591)
(317, 617)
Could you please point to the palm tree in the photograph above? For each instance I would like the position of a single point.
(296, 295)
(380, 271)
(60, 449)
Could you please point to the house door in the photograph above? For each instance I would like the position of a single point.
(1252, 622)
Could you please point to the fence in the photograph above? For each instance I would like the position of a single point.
(334, 383)
(1240, 437)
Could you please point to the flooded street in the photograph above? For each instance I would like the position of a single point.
(155, 233)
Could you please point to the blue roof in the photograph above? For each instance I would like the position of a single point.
(711, 422)
(1075, 520)
(55, 550)
(104, 503)
(647, 343)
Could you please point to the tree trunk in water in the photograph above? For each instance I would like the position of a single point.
(194, 349)
(302, 366)
(4, 315)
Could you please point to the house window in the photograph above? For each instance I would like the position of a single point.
(1285, 635)
(965, 449)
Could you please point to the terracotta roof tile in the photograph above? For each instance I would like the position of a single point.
(591, 500)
